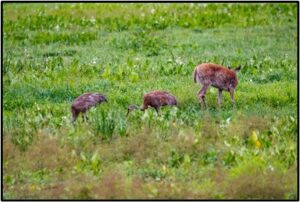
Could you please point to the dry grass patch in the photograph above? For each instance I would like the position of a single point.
(262, 184)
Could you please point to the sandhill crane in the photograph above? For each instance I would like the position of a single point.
(84, 102)
(155, 99)
(217, 76)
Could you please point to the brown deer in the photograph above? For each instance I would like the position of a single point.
(155, 99)
(84, 102)
(215, 75)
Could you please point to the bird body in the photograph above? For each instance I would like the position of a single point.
(84, 102)
(155, 99)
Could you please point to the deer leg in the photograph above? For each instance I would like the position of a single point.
(157, 110)
(231, 91)
(144, 107)
(84, 116)
(75, 114)
(220, 98)
(201, 94)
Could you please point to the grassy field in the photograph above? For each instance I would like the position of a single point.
(54, 52)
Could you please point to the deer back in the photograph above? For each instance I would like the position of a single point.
(215, 75)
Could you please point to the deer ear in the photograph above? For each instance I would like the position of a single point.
(238, 68)
(229, 67)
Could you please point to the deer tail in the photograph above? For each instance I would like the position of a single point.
(195, 76)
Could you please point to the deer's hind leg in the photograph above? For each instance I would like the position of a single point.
(201, 94)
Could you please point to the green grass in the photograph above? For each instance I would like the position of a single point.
(53, 52)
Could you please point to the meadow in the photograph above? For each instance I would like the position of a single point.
(54, 52)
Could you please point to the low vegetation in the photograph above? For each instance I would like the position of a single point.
(54, 52)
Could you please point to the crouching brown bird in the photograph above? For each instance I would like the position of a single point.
(84, 102)
(155, 99)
